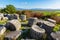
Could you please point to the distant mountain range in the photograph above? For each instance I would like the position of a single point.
(36, 9)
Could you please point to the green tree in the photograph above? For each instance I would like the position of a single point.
(10, 9)
(3, 10)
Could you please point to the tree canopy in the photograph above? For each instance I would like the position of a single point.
(9, 9)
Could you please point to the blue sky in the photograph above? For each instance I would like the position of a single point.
(28, 4)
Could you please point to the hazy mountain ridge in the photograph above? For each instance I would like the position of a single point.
(36, 9)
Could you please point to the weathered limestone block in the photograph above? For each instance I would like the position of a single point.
(2, 30)
(12, 16)
(36, 32)
(5, 18)
(52, 21)
(32, 21)
(39, 23)
(1, 16)
(17, 16)
(23, 17)
(55, 35)
(13, 25)
(13, 35)
(48, 26)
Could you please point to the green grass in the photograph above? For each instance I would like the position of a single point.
(3, 22)
(24, 28)
(24, 22)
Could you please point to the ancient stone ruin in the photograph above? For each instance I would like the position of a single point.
(13, 25)
(51, 20)
(39, 23)
(2, 30)
(13, 35)
(55, 35)
(36, 32)
(48, 26)
(32, 21)
(23, 17)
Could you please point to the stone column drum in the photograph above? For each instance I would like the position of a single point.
(36, 32)
(23, 17)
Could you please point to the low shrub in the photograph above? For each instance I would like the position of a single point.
(56, 28)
